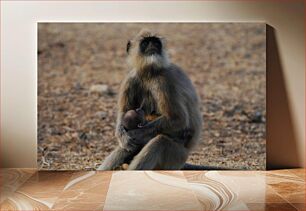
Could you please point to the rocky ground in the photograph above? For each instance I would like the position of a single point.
(80, 67)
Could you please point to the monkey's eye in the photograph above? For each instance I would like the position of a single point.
(158, 44)
(128, 46)
(144, 44)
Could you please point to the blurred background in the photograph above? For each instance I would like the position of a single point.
(81, 66)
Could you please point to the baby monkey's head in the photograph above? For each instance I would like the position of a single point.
(145, 50)
(133, 119)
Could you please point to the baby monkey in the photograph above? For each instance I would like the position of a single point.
(134, 119)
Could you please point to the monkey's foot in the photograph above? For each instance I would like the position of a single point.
(125, 166)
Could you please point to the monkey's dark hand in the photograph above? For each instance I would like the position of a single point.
(186, 134)
(142, 135)
(156, 124)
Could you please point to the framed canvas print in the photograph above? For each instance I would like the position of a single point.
(151, 96)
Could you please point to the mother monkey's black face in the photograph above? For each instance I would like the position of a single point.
(150, 46)
(147, 49)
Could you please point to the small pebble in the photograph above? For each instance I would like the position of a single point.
(100, 89)
(101, 114)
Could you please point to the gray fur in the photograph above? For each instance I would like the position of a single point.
(165, 90)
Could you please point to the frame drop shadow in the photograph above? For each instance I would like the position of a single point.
(281, 139)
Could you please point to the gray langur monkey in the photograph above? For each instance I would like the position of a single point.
(160, 89)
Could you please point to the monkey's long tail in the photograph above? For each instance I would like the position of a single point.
(189, 166)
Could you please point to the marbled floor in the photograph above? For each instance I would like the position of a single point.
(27, 189)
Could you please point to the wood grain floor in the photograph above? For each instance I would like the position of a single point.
(28, 189)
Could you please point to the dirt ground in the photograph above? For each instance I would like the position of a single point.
(81, 66)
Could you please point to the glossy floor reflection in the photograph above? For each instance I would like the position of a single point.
(27, 189)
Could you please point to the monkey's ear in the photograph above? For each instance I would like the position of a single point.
(128, 46)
